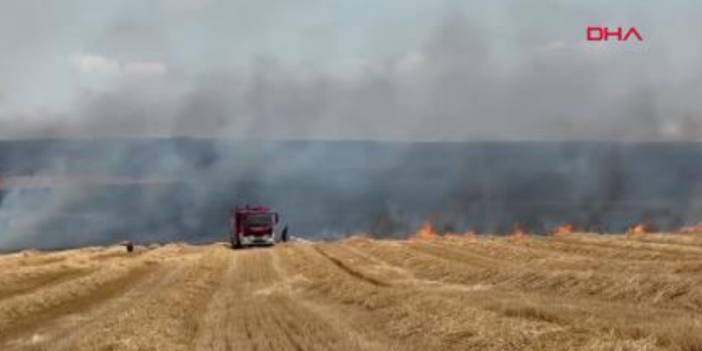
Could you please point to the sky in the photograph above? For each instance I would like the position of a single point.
(405, 70)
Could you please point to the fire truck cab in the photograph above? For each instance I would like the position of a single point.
(255, 226)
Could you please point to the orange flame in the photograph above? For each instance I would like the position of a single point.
(693, 229)
(564, 230)
(519, 233)
(640, 229)
(426, 232)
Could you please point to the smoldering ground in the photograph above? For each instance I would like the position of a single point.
(458, 78)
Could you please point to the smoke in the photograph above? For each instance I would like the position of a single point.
(520, 74)
(108, 190)
(460, 78)
(451, 89)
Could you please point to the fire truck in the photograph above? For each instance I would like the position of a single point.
(255, 226)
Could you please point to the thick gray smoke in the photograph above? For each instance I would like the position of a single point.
(181, 189)
(505, 72)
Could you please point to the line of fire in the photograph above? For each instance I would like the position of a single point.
(383, 189)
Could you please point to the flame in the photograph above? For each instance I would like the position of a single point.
(519, 233)
(426, 232)
(564, 230)
(640, 229)
(693, 229)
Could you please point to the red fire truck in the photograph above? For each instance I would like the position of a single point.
(255, 226)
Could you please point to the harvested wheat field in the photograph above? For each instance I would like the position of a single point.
(456, 293)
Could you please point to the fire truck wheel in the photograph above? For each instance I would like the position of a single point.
(236, 244)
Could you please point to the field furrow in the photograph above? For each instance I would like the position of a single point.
(577, 292)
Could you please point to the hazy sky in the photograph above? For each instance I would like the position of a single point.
(320, 69)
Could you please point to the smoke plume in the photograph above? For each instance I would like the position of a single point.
(164, 115)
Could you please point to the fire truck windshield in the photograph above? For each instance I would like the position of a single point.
(259, 220)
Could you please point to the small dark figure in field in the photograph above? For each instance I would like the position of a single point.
(129, 245)
(284, 234)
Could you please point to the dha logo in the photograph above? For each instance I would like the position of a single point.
(595, 33)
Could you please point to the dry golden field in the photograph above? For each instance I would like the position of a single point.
(567, 292)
